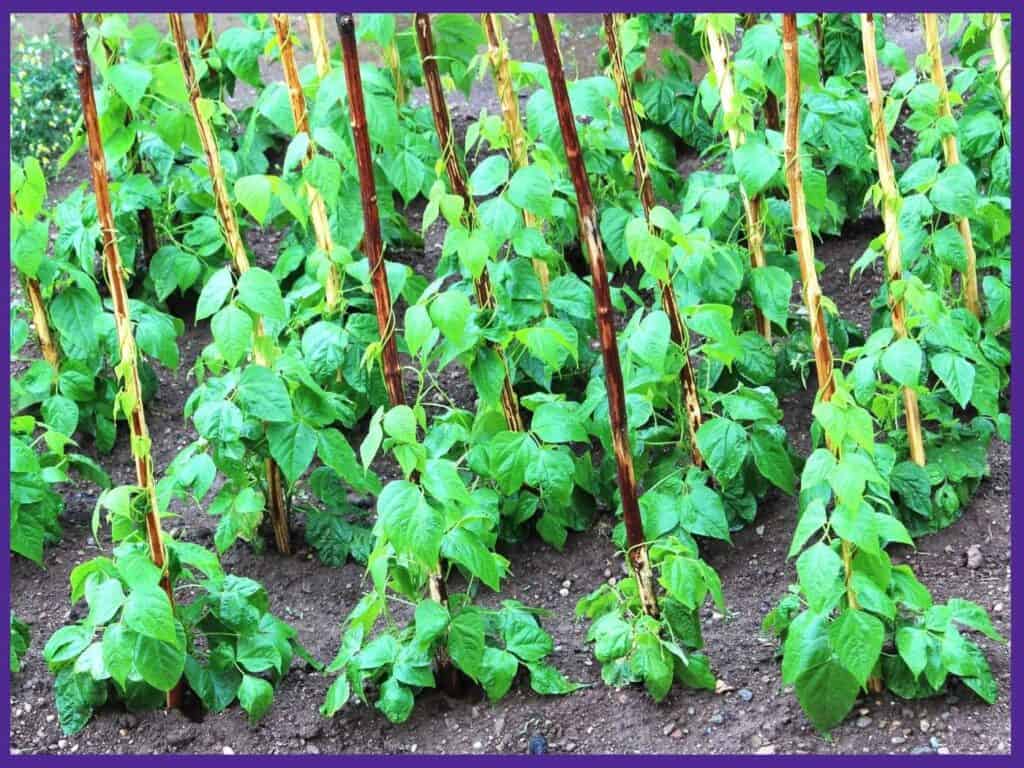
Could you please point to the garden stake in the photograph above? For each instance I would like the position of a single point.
(204, 32)
(1000, 56)
(317, 207)
(39, 318)
(130, 398)
(318, 42)
(497, 52)
(680, 334)
(719, 55)
(637, 548)
(951, 152)
(805, 253)
(890, 215)
(239, 259)
(457, 179)
(450, 676)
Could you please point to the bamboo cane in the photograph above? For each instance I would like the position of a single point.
(381, 294)
(40, 320)
(680, 335)
(719, 55)
(497, 53)
(317, 207)
(318, 42)
(798, 207)
(457, 179)
(951, 152)
(204, 32)
(128, 371)
(890, 216)
(1000, 56)
(239, 258)
(637, 548)
(147, 227)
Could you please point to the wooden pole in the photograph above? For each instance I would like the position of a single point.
(637, 548)
(204, 32)
(317, 207)
(240, 260)
(457, 179)
(40, 320)
(951, 152)
(798, 209)
(890, 215)
(719, 55)
(318, 42)
(680, 335)
(127, 370)
(1000, 56)
(497, 53)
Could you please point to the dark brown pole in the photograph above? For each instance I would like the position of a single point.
(687, 381)
(114, 272)
(457, 179)
(605, 318)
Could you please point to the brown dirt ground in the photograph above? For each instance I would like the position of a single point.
(596, 719)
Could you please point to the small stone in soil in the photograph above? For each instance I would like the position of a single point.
(972, 557)
(745, 694)
(863, 722)
(538, 745)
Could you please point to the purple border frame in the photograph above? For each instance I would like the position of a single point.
(561, 6)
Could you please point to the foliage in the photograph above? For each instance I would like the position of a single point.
(20, 640)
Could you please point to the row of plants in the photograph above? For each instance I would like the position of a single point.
(682, 402)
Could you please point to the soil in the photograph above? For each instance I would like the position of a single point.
(755, 714)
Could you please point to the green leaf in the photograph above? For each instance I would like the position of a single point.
(214, 293)
(148, 612)
(431, 621)
(820, 573)
(232, 331)
(258, 290)
(400, 423)
(812, 520)
(263, 395)
(827, 694)
(255, 193)
(956, 373)
(489, 175)
(105, 598)
(292, 445)
(255, 695)
(396, 701)
(451, 312)
(955, 192)
(902, 361)
(466, 642)
(418, 328)
(772, 460)
(653, 663)
(337, 696)
(650, 340)
(130, 80)
(532, 190)
(442, 481)
(524, 637)
(558, 422)
(857, 638)
(920, 175)
(912, 644)
(497, 671)
(511, 453)
(756, 165)
(723, 443)
(160, 664)
(549, 681)
(410, 522)
(771, 288)
(683, 580)
(334, 451)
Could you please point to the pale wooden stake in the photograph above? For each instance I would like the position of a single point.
(719, 55)
(317, 207)
(240, 260)
(890, 216)
(40, 320)
(951, 152)
(636, 544)
(641, 174)
(318, 42)
(497, 53)
(130, 398)
(1000, 56)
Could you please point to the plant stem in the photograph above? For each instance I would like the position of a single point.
(497, 52)
(128, 371)
(798, 209)
(1000, 56)
(317, 207)
(719, 55)
(457, 179)
(637, 548)
(239, 258)
(951, 152)
(890, 215)
(40, 320)
(204, 32)
(641, 173)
